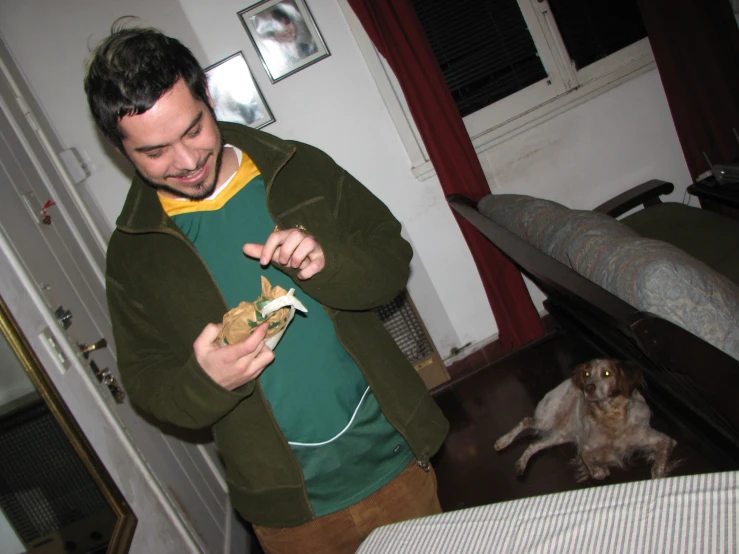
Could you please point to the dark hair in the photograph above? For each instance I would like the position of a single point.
(131, 69)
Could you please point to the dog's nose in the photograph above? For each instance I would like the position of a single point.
(590, 388)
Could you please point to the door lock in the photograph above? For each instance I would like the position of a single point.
(102, 375)
(105, 377)
(64, 317)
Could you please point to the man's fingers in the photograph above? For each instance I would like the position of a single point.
(207, 336)
(303, 250)
(273, 242)
(312, 268)
(254, 363)
(254, 340)
(232, 365)
(309, 271)
(238, 350)
(289, 247)
(257, 364)
(292, 248)
(262, 360)
(253, 250)
(258, 334)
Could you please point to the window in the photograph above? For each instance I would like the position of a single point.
(489, 50)
(594, 29)
(514, 63)
(484, 49)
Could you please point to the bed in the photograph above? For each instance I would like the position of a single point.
(693, 513)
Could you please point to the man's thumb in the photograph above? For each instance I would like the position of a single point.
(208, 334)
(253, 250)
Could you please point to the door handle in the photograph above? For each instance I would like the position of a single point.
(86, 349)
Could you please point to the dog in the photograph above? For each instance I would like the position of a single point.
(601, 411)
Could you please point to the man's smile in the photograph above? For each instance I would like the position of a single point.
(194, 176)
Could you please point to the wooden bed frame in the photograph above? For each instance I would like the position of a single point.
(687, 378)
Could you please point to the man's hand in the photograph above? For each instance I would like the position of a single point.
(291, 248)
(234, 364)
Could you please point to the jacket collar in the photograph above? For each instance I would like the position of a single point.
(142, 211)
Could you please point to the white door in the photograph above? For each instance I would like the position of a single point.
(174, 483)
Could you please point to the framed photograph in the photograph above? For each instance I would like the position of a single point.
(235, 94)
(285, 36)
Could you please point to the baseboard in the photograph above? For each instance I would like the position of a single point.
(489, 352)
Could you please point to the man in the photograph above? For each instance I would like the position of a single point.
(334, 437)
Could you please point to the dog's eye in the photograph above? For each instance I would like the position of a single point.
(587, 374)
(607, 373)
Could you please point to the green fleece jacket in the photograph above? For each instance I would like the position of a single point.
(161, 296)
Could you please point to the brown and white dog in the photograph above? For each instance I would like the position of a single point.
(601, 411)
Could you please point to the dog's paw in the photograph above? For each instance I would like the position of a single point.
(581, 472)
(520, 467)
(599, 472)
(500, 444)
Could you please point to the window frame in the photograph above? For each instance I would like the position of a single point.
(565, 87)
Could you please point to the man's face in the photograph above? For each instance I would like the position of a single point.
(175, 145)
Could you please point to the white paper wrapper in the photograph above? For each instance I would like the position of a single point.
(286, 300)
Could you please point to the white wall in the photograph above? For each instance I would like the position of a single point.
(578, 158)
(587, 155)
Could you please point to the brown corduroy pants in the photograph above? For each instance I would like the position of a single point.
(410, 495)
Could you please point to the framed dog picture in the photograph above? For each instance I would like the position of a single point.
(284, 35)
(235, 94)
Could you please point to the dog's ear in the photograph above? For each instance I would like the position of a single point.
(577, 376)
(630, 376)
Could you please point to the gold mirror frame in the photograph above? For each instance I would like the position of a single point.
(126, 520)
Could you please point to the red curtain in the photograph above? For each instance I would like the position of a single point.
(696, 47)
(397, 34)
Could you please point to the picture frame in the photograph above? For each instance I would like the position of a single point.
(284, 35)
(235, 93)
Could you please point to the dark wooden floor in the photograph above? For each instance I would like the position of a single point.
(488, 402)
(485, 402)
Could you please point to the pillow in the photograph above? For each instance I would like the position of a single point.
(547, 225)
(661, 279)
(650, 275)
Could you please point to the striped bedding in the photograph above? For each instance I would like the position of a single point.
(686, 514)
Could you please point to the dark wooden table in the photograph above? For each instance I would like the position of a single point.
(723, 199)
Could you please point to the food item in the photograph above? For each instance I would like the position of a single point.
(241, 321)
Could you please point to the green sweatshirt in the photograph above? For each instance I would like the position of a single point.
(161, 296)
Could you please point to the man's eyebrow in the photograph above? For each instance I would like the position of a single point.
(189, 129)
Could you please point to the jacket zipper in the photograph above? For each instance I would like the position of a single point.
(268, 187)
